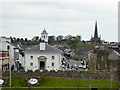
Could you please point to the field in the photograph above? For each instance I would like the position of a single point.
(52, 82)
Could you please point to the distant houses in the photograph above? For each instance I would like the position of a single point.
(104, 54)
(31, 57)
(114, 58)
(38, 54)
(10, 55)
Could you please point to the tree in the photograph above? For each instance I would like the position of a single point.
(18, 39)
(73, 42)
(78, 37)
(11, 39)
(37, 38)
(51, 39)
(14, 38)
(68, 37)
(26, 39)
(22, 39)
(59, 38)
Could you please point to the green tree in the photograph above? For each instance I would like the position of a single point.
(51, 39)
(72, 42)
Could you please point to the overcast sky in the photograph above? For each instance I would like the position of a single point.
(66, 17)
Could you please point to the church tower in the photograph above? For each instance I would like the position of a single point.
(96, 31)
(95, 40)
(44, 36)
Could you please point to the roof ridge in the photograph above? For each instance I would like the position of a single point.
(54, 47)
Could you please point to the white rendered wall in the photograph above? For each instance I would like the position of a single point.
(49, 61)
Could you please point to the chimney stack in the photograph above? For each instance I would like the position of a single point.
(42, 46)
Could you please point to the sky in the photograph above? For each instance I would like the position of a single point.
(28, 18)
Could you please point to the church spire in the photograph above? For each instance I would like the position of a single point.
(96, 31)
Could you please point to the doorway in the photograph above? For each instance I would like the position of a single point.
(42, 65)
(42, 62)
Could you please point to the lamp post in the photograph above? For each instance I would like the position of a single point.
(10, 72)
(111, 76)
(1, 72)
(1, 66)
(90, 82)
(10, 58)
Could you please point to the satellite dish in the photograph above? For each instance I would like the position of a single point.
(1, 81)
(33, 81)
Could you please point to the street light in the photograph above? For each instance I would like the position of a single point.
(1, 71)
(10, 54)
(1, 64)
(10, 72)
(90, 82)
(111, 76)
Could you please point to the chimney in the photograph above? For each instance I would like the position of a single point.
(42, 46)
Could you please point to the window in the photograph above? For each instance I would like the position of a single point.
(31, 57)
(31, 64)
(98, 66)
(53, 57)
(106, 65)
(16, 50)
(102, 58)
(8, 47)
(52, 64)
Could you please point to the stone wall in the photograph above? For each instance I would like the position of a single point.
(104, 75)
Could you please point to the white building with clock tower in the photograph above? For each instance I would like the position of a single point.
(44, 36)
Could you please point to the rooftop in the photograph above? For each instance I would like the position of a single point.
(48, 49)
(44, 32)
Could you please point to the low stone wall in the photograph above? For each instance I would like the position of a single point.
(104, 75)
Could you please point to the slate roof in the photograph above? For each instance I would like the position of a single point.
(117, 50)
(48, 49)
(16, 46)
(44, 32)
(77, 63)
(24, 47)
(82, 51)
(73, 62)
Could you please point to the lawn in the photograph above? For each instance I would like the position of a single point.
(70, 82)
(52, 82)
(17, 81)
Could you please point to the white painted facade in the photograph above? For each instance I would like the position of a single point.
(44, 36)
(48, 62)
(5, 45)
(51, 59)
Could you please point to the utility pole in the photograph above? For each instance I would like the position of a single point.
(90, 82)
(10, 59)
(1, 71)
(10, 73)
(111, 75)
